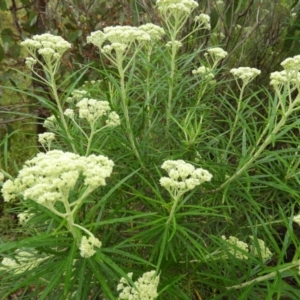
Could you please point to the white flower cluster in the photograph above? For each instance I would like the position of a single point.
(113, 119)
(69, 113)
(183, 176)
(122, 37)
(206, 72)
(24, 216)
(204, 21)
(263, 249)
(49, 177)
(290, 75)
(87, 246)
(46, 138)
(51, 123)
(77, 95)
(176, 7)
(236, 247)
(47, 45)
(177, 44)
(30, 62)
(291, 63)
(217, 53)
(146, 287)
(155, 32)
(246, 74)
(24, 260)
(240, 249)
(92, 110)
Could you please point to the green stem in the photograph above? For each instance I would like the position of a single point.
(265, 277)
(232, 131)
(90, 138)
(176, 200)
(126, 113)
(60, 109)
(171, 85)
(267, 141)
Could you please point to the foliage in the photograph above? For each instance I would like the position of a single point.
(204, 187)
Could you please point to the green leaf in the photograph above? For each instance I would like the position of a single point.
(3, 6)
(15, 51)
(7, 37)
(73, 35)
(33, 20)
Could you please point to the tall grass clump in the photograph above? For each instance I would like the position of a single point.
(158, 180)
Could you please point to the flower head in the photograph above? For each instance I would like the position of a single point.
(87, 246)
(119, 38)
(183, 176)
(216, 54)
(146, 287)
(46, 138)
(246, 74)
(236, 247)
(50, 47)
(264, 251)
(204, 21)
(49, 177)
(179, 8)
(155, 32)
(51, 123)
(291, 63)
(24, 260)
(24, 216)
(206, 72)
(289, 76)
(92, 110)
(77, 95)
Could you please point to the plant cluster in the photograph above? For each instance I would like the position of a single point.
(95, 209)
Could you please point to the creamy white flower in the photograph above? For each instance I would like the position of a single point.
(47, 45)
(46, 138)
(118, 35)
(206, 72)
(179, 8)
(177, 44)
(87, 246)
(50, 123)
(291, 63)
(146, 287)
(92, 109)
(183, 176)
(217, 53)
(285, 77)
(77, 95)
(236, 247)
(49, 177)
(24, 216)
(155, 32)
(264, 251)
(246, 74)
(204, 21)
(113, 120)
(69, 113)
(25, 259)
(30, 62)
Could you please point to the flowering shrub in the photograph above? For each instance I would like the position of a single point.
(94, 208)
